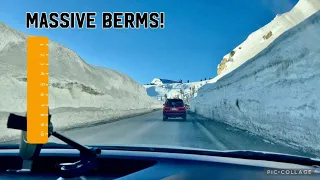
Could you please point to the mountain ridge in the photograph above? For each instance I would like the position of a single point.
(264, 36)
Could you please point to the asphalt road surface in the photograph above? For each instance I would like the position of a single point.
(196, 132)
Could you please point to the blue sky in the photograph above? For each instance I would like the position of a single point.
(197, 34)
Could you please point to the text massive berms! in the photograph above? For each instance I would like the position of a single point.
(118, 20)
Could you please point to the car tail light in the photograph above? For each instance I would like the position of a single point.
(182, 108)
(165, 108)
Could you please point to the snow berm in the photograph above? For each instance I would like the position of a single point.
(79, 93)
(275, 94)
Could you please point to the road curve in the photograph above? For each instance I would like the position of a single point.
(196, 132)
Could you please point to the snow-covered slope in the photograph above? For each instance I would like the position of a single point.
(92, 93)
(174, 90)
(260, 39)
(275, 94)
(158, 81)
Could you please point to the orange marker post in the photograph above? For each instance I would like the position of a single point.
(37, 89)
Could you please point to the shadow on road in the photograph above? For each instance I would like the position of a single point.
(175, 119)
(237, 139)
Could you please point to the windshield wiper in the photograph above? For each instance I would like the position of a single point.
(88, 156)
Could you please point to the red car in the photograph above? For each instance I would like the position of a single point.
(174, 108)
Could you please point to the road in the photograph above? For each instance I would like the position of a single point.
(196, 132)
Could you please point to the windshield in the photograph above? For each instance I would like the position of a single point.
(233, 75)
(174, 103)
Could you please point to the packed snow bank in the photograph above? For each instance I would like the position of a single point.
(276, 93)
(73, 84)
(260, 39)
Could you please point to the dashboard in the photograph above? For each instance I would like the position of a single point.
(125, 164)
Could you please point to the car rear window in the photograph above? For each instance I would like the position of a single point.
(175, 103)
